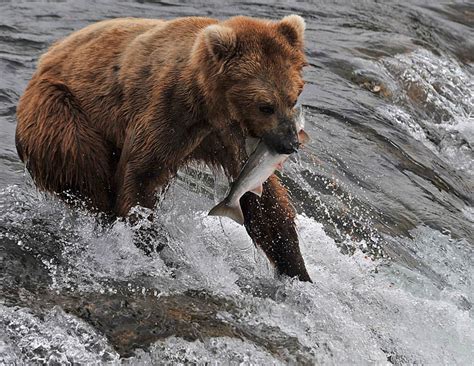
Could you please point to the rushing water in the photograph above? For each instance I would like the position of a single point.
(384, 193)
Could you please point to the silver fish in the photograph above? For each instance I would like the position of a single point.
(260, 165)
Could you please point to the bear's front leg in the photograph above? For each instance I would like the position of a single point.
(148, 160)
(270, 222)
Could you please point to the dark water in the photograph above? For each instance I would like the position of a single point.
(384, 193)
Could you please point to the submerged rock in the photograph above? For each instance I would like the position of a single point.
(131, 320)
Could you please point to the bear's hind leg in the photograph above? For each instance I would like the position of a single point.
(62, 150)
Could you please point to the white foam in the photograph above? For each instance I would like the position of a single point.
(53, 337)
(213, 351)
(357, 310)
(439, 95)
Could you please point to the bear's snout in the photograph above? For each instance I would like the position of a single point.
(283, 139)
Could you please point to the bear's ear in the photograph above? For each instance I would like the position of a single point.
(292, 28)
(220, 41)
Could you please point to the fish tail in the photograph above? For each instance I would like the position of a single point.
(303, 137)
(234, 212)
(258, 190)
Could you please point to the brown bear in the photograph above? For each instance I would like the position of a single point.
(115, 109)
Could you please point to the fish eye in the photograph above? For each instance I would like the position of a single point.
(267, 109)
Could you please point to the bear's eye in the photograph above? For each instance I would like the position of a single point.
(267, 109)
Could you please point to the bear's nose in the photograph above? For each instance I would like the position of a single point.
(289, 147)
(282, 145)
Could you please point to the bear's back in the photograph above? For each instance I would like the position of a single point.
(95, 43)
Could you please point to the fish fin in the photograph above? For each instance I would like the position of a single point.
(303, 137)
(279, 166)
(233, 212)
(258, 190)
(251, 144)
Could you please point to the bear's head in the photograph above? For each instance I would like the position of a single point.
(253, 74)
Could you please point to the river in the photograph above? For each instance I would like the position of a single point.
(384, 194)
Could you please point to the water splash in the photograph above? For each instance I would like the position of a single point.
(436, 103)
(357, 310)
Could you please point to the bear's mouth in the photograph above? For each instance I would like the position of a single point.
(282, 143)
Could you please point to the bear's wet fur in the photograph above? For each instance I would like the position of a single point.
(115, 109)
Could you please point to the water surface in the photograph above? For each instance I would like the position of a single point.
(384, 194)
